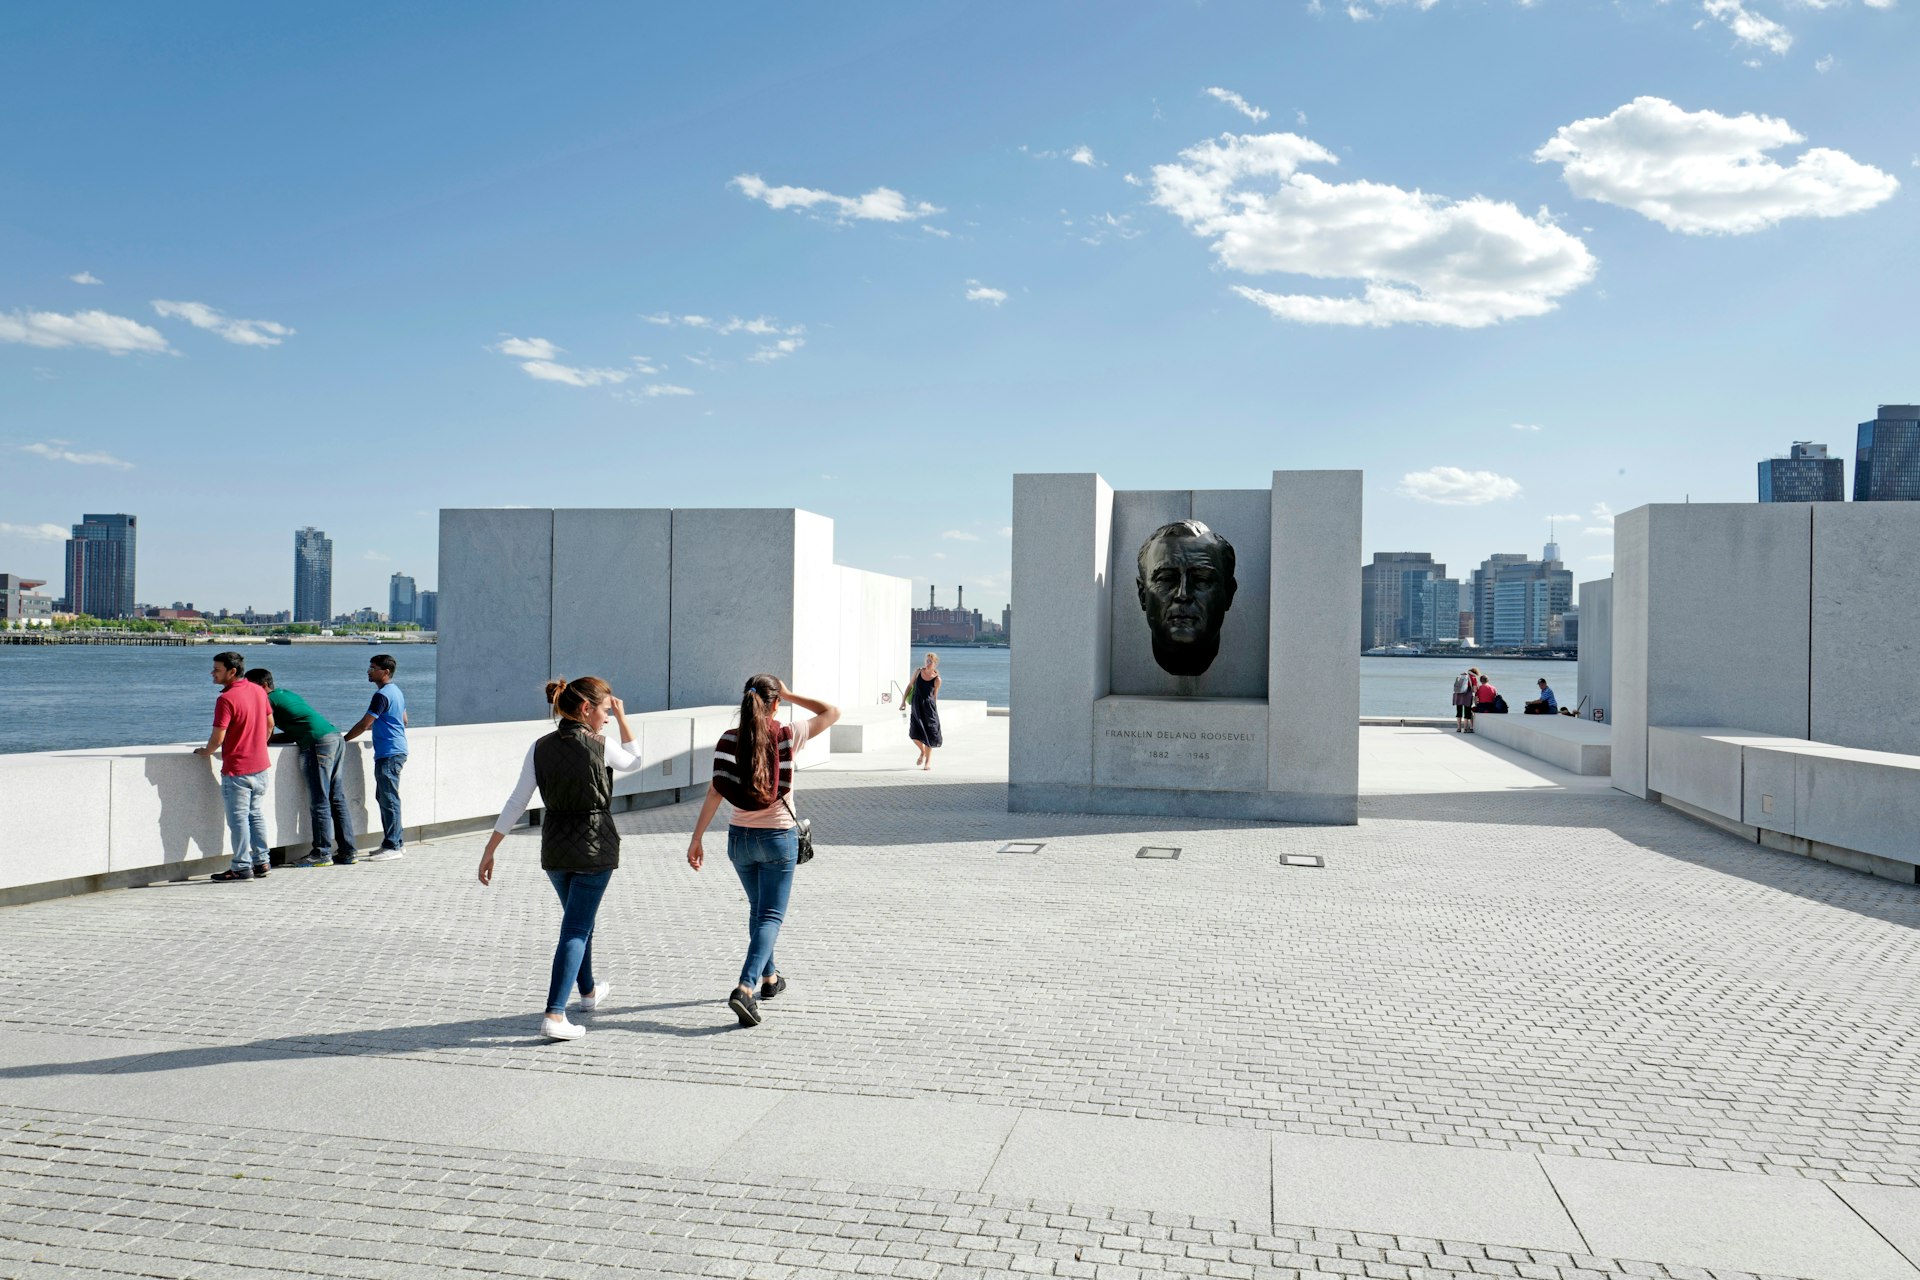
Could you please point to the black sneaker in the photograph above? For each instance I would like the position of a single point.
(768, 990)
(745, 1007)
(228, 877)
(260, 871)
(346, 860)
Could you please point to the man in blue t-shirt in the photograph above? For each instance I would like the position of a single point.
(1544, 705)
(387, 717)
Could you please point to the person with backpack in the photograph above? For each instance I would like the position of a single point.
(1487, 699)
(1464, 685)
(579, 846)
(753, 772)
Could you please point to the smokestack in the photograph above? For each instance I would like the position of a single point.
(930, 591)
(960, 599)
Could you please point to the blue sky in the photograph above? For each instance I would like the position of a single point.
(266, 267)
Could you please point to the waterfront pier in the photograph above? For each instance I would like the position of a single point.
(1514, 1022)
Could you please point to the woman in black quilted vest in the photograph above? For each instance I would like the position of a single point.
(579, 847)
(753, 772)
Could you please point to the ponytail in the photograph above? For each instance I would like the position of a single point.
(568, 700)
(756, 734)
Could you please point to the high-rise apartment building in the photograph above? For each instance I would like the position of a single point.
(312, 576)
(1517, 601)
(1806, 474)
(1886, 464)
(427, 610)
(400, 599)
(100, 565)
(1391, 596)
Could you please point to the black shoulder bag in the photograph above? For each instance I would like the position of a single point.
(803, 827)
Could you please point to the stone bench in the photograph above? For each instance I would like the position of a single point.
(868, 728)
(1578, 746)
(1843, 805)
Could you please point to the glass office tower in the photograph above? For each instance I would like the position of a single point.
(1886, 465)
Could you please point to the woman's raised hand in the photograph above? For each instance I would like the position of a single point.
(615, 706)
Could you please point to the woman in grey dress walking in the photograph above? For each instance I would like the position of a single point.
(923, 713)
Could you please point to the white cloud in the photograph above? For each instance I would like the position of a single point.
(1133, 181)
(1881, 4)
(1084, 155)
(1602, 518)
(1824, 64)
(55, 451)
(1749, 27)
(960, 535)
(549, 371)
(1300, 117)
(654, 390)
(1572, 519)
(1453, 487)
(777, 351)
(526, 348)
(98, 329)
(85, 277)
(1701, 172)
(1238, 103)
(380, 555)
(1526, 426)
(1006, 531)
(245, 333)
(1421, 258)
(977, 292)
(34, 532)
(759, 326)
(882, 204)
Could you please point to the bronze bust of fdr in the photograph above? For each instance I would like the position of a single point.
(1186, 584)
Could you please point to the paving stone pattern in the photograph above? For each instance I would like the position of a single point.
(117, 1198)
(1576, 974)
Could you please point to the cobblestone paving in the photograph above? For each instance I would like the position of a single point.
(1578, 974)
(98, 1198)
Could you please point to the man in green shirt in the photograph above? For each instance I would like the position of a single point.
(321, 750)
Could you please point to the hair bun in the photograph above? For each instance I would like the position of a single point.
(554, 689)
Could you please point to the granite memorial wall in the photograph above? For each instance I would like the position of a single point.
(674, 608)
(1187, 652)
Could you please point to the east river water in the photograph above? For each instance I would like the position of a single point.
(62, 697)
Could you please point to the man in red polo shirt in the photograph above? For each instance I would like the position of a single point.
(242, 722)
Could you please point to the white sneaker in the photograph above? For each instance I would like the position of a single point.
(560, 1029)
(385, 855)
(600, 993)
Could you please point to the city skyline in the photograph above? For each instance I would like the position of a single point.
(892, 257)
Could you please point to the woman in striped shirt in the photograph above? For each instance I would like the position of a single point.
(753, 772)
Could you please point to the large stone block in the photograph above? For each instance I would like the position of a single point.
(1865, 625)
(1853, 799)
(1699, 765)
(496, 614)
(474, 769)
(1062, 599)
(735, 595)
(56, 825)
(1313, 677)
(1578, 746)
(1709, 602)
(612, 598)
(165, 809)
(1595, 694)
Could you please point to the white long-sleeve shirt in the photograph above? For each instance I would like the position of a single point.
(622, 757)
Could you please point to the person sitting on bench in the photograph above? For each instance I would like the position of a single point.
(1544, 705)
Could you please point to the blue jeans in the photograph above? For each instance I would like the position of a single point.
(580, 893)
(242, 794)
(327, 797)
(764, 858)
(386, 793)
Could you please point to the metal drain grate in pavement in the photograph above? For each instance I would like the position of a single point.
(1301, 860)
(1023, 846)
(1158, 851)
